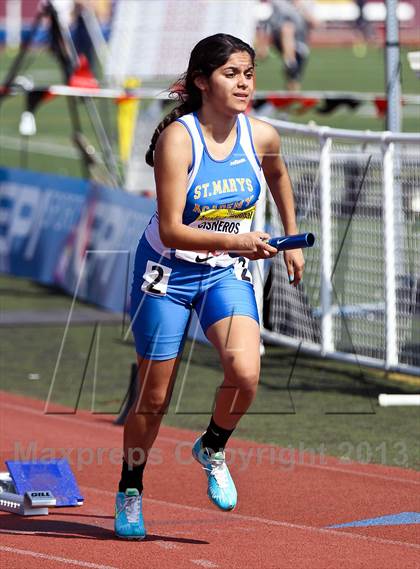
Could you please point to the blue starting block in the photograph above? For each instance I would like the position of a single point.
(29, 488)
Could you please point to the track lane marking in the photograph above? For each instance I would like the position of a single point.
(28, 532)
(65, 560)
(172, 440)
(267, 521)
(167, 545)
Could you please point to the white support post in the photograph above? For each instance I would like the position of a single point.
(391, 357)
(392, 69)
(391, 400)
(327, 340)
(13, 23)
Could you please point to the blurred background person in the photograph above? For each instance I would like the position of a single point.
(263, 30)
(363, 30)
(89, 20)
(287, 28)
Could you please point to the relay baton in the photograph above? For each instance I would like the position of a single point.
(300, 241)
(282, 243)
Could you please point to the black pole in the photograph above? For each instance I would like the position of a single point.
(23, 48)
(130, 396)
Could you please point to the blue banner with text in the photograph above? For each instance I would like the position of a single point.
(71, 233)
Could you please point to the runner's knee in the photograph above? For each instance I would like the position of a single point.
(243, 375)
(152, 402)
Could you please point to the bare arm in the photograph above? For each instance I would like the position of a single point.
(278, 181)
(172, 157)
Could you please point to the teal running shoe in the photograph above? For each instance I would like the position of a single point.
(221, 488)
(129, 522)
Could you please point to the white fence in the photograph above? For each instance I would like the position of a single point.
(359, 192)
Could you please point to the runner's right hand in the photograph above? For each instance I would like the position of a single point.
(253, 245)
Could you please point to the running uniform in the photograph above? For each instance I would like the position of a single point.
(169, 283)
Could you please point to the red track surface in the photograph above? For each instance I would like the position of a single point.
(280, 522)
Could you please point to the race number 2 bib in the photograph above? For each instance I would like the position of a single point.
(156, 278)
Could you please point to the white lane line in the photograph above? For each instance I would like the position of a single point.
(101, 426)
(65, 560)
(204, 563)
(166, 545)
(40, 147)
(267, 521)
(27, 532)
(360, 473)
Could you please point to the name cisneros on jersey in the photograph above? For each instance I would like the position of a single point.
(221, 226)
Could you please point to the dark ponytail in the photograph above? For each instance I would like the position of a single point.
(188, 105)
(209, 54)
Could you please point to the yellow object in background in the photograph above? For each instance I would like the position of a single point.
(126, 120)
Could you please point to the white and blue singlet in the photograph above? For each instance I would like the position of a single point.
(169, 283)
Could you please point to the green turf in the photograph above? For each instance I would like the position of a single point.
(328, 69)
(338, 69)
(323, 405)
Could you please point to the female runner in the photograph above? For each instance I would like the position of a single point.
(208, 159)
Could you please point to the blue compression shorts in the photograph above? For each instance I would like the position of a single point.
(165, 291)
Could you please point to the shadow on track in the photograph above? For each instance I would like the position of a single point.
(12, 524)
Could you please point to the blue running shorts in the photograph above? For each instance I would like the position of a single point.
(165, 291)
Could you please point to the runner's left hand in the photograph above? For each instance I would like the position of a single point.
(295, 264)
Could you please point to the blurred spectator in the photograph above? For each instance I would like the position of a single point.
(263, 31)
(101, 8)
(363, 31)
(81, 35)
(287, 28)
